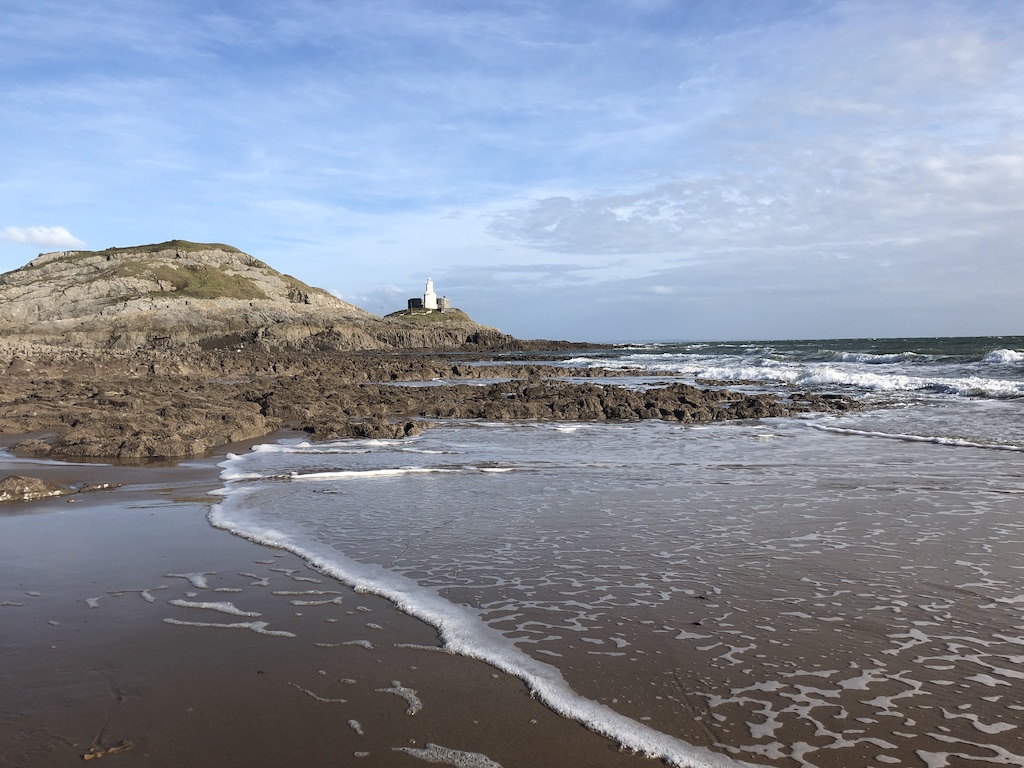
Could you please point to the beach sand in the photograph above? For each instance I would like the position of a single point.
(108, 649)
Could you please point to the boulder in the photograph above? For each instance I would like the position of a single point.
(21, 488)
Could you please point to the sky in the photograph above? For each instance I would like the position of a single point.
(610, 170)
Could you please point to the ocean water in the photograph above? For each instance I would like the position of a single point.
(834, 590)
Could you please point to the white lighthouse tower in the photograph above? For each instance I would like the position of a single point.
(429, 297)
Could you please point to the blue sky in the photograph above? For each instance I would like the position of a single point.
(627, 170)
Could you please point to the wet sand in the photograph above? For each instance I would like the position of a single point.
(789, 597)
(109, 648)
(793, 611)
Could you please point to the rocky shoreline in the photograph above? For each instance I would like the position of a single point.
(151, 405)
(171, 350)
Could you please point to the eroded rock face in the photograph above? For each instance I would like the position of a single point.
(20, 488)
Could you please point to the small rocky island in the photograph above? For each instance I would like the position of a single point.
(171, 350)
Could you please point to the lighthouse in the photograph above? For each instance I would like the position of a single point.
(430, 302)
(429, 297)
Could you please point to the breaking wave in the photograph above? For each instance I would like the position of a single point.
(1004, 356)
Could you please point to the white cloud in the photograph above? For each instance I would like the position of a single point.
(825, 199)
(684, 163)
(57, 237)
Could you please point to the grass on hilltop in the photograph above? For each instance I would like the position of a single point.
(185, 246)
(424, 317)
(180, 280)
(200, 282)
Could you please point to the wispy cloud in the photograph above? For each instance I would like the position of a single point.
(57, 237)
(822, 199)
(640, 154)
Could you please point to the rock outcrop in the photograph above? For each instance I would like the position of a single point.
(180, 294)
(153, 404)
(20, 488)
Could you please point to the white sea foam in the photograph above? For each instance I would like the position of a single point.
(1004, 356)
(873, 359)
(950, 441)
(464, 633)
(317, 696)
(412, 701)
(847, 370)
(369, 473)
(438, 754)
(830, 376)
(224, 607)
(259, 627)
(305, 448)
(197, 580)
(331, 601)
(261, 581)
(229, 475)
(145, 594)
(361, 643)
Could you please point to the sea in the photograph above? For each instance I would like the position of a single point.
(826, 590)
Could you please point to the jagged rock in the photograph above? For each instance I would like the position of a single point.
(20, 488)
(33, 447)
(377, 428)
(155, 405)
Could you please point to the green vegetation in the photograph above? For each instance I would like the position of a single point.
(170, 270)
(423, 317)
(297, 284)
(202, 282)
(191, 281)
(197, 281)
(184, 246)
(299, 292)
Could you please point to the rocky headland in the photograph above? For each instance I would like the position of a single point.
(171, 350)
(181, 295)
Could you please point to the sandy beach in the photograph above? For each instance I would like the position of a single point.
(116, 608)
